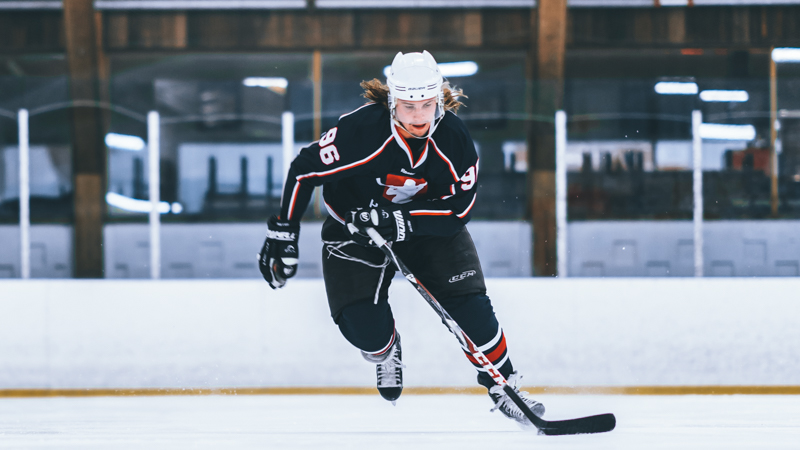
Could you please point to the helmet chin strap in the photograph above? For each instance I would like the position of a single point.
(434, 123)
(430, 129)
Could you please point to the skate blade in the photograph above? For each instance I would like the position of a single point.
(394, 402)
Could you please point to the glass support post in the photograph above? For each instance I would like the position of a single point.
(562, 251)
(287, 139)
(24, 194)
(697, 189)
(154, 181)
(774, 199)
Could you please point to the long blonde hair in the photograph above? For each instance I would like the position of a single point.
(376, 91)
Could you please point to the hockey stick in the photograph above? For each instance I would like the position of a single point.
(592, 424)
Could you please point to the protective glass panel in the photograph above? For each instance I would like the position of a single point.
(9, 190)
(221, 162)
(37, 84)
(630, 161)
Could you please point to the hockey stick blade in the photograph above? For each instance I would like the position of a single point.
(584, 425)
(600, 423)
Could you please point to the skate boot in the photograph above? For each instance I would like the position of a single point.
(507, 406)
(389, 369)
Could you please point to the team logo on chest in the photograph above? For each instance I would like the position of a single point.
(402, 189)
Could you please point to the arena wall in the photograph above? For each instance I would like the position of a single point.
(69, 334)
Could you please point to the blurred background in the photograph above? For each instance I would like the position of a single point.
(204, 103)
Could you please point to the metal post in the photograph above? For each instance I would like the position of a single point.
(561, 194)
(24, 194)
(287, 138)
(697, 188)
(153, 136)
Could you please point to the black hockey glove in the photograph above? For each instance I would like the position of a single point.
(393, 224)
(278, 258)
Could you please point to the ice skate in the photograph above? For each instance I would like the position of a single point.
(507, 406)
(389, 369)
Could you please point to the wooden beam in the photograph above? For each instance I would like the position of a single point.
(774, 199)
(87, 143)
(316, 79)
(676, 25)
(473, 29)
(548, 95)
(309, 30)
(435, 29)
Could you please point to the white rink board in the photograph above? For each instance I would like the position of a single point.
(236, 333)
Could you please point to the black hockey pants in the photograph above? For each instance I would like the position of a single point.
(357, 282)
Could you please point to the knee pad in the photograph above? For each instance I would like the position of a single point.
(474, 314)
(368, 326)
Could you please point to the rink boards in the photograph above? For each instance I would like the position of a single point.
(575, 335)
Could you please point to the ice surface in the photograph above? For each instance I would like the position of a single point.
(418, 422)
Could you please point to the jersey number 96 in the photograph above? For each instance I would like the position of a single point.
(328, 153)
(469, 178)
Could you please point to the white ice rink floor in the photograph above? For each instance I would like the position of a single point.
(367, 422)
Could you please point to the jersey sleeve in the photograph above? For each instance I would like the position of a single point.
(339, 153)
(450, 209)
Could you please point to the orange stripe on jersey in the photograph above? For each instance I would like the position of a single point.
(494, 356)
(290, 213)
(428, 212)
(333, 213)
(349, 166)
(422, 155)
(405, 142)
(498, 352)
(414, 164)
(452, 192)
(466, 211)
(449, 164)
(387, 347)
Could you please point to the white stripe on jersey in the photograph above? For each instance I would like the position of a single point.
(351, 112)
(292, 202)
(333, 213)
(466, 211)
(349, 166)
(386, 348)
(403, 145)
(430, 212)
(494, 340)
(452, 168)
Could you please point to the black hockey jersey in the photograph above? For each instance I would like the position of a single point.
(364, 162)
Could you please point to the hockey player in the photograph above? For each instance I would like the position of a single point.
(405, 165)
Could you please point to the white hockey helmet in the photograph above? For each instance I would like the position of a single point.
(414, 77)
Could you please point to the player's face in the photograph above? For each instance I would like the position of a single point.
(417, 116)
